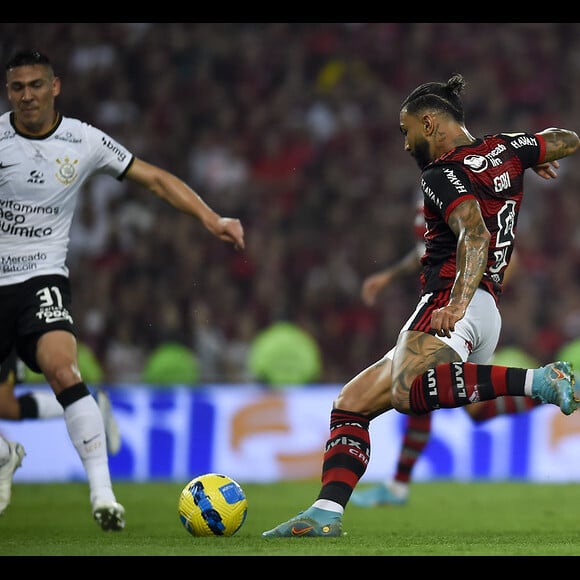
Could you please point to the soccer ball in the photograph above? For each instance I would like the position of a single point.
(212, 505)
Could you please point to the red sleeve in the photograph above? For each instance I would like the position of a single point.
(542, 143)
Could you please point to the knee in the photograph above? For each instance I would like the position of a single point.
(345, 402)
(368, 394)
(350, 400)
(63, 377)
(401, 400)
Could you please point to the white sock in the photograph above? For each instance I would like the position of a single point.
(529, 381)
(4, 451)
(399, 489)
(86, 430)
(47, 404)
(326, 504)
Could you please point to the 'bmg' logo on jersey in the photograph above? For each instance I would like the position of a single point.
(109, 144)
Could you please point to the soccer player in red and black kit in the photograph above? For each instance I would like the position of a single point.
(472, 189)
(395, 491)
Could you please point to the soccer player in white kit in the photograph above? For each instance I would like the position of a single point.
(45, 159)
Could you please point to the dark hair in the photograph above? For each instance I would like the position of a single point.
(440, 96)
(28, 57)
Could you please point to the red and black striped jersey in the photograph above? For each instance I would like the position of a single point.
(491, 170)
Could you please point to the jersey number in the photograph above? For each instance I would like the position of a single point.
(505, 234)
(50, 297)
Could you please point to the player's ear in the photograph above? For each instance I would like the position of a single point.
(56, 87)
(428, 124)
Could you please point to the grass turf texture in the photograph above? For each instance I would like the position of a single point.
(441, 519)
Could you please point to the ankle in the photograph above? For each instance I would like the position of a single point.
(399, 489)
(328, 505)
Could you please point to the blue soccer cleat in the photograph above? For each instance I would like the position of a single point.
(377, 495)
(314, 522)
(554, 383)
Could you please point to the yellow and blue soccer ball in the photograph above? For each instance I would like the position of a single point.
(212, 505)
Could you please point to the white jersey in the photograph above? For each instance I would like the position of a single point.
(40, 179)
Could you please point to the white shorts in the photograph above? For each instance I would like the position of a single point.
(475, 336)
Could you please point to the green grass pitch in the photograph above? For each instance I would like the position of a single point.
(441, 519)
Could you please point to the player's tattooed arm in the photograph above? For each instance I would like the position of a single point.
(473, 239)
(559, 143)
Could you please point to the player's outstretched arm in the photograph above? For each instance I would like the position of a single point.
(560, 143)
(176, 192)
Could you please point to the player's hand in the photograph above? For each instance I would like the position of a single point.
(547, 170)
(372, 285)
(230, 230)
(443, 320)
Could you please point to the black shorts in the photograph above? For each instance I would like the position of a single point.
(30, 309)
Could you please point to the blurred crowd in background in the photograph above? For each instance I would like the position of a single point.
(294, 128)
